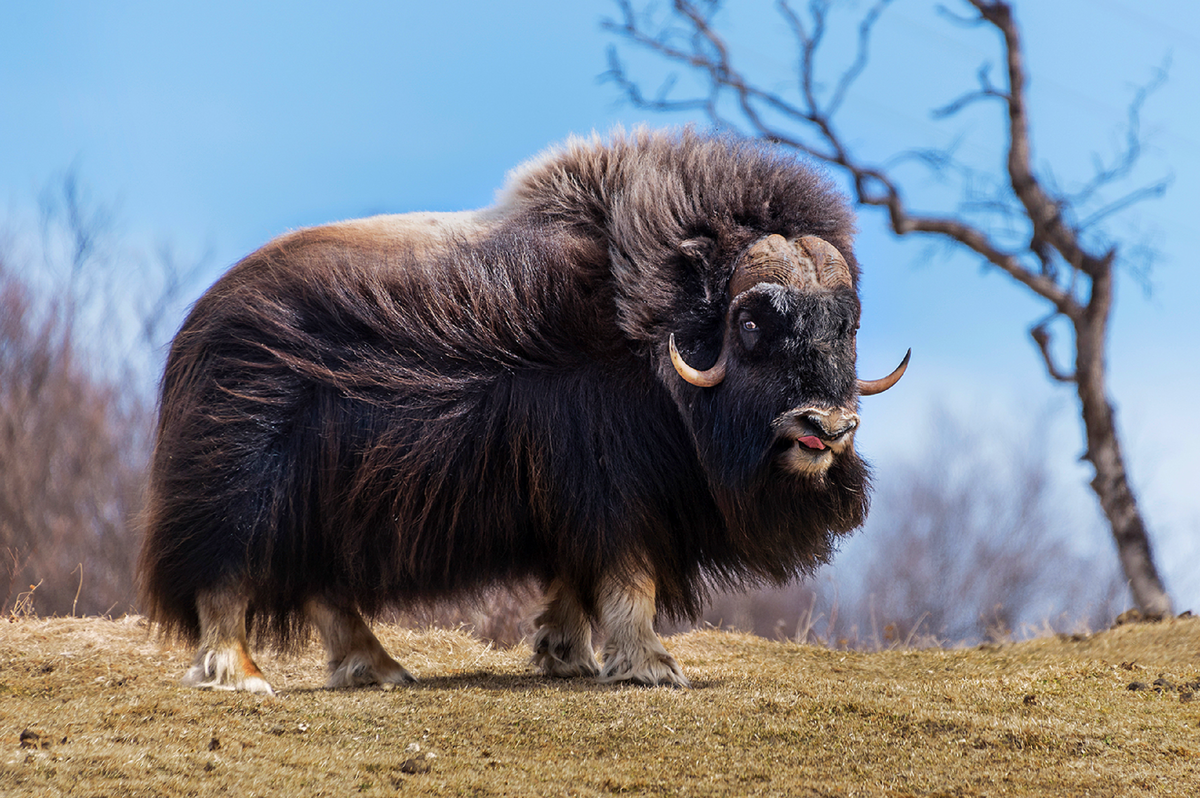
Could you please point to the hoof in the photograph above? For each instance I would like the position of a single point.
(230, 669)
(651, 668)
(361, 671)
(559, 658)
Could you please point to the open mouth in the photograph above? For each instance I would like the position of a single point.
(810, 442)
(807, 454)
(809, 438)
(813, 448)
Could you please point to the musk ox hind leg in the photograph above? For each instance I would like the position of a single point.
(223, 659)
(562, 646)
(356, 658)
(633, 651)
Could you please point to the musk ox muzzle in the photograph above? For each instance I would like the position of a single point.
(807, 439)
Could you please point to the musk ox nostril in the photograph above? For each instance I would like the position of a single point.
(830, 424)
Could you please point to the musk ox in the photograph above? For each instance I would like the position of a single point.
(632, 379)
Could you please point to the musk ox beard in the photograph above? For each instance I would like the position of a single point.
(631, 379)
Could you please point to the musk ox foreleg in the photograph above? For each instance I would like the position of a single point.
(223, 659)
(633, 651)
(562, 646)
(356, 658)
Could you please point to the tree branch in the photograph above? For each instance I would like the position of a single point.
(986, 92)
(1041, 336)
(1128, 158)
(1044, 211)
(1121, 203)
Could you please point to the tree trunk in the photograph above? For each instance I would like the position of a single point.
(1111, 483)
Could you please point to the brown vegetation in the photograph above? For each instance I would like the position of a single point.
(72, 457)
(93, 707)
(82, 320)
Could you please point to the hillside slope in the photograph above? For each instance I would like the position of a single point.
(93, 707)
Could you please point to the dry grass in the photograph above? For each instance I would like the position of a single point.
(1046, 717)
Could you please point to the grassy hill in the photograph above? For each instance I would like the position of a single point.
(93, 707)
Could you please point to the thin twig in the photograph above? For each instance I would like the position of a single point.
(78, 590)
(986, 92)
(1041, 336)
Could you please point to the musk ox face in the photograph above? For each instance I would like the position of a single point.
(780, 403)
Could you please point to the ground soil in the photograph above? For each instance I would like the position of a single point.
(93, 707)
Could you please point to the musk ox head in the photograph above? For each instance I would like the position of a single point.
(782, 396)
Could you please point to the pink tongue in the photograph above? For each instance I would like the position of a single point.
(812, 442)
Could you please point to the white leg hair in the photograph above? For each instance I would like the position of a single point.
(633, 651)
(562, 645)
(356, 658)
(223, 659)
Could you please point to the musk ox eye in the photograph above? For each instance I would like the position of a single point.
(748, 331)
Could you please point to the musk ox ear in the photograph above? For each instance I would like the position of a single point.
(698, 253)
(698, 249)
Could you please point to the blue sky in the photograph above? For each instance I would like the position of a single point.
(216, 126)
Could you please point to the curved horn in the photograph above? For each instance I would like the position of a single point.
(768, 260)
(828, 265)
(701, 379)
(872, 387)
(809, 263)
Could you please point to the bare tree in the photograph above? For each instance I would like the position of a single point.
(72, 456)
(78, 360)
(1050, 241)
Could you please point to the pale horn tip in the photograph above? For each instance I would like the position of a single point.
(872, 387)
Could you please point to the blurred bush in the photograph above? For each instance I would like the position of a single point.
(73, 447)
(83, 323)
